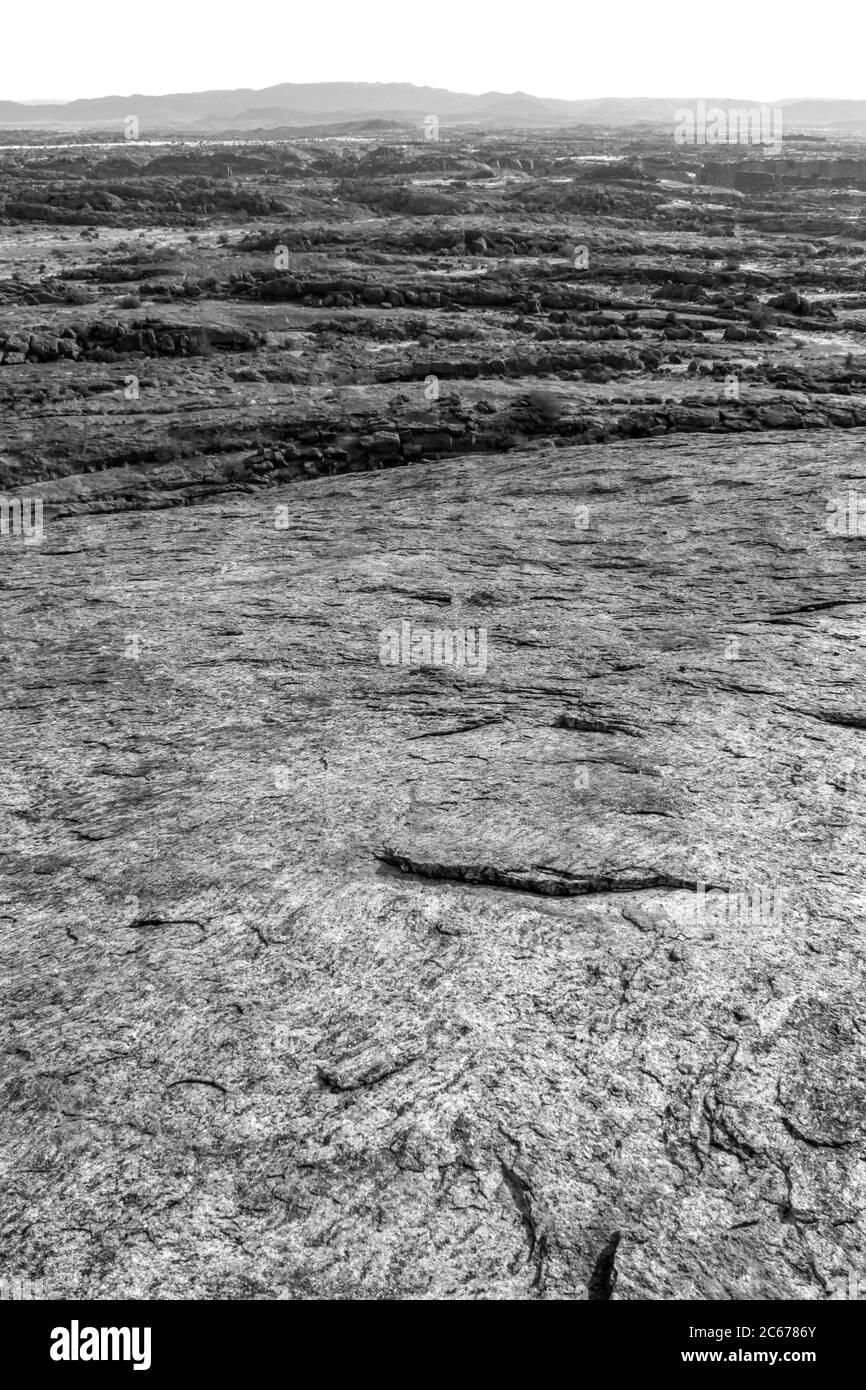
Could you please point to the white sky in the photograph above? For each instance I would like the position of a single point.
(573, 48)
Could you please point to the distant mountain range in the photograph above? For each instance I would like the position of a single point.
(317, 103)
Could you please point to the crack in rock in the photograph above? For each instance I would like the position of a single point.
(542, 879)
(521, 1195)
(586, 724)
(361, 1071)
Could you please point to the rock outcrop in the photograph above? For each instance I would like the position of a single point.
(337, 964)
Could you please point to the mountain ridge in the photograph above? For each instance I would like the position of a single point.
(313, 102)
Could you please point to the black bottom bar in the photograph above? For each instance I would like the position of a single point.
(166, 1341)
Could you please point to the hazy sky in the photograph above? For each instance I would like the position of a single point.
(60, 49)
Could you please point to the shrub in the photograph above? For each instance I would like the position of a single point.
(544, 405)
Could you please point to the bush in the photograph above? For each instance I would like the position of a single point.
(544, 405)
(76, 294)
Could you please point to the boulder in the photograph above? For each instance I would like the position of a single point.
(381, 442)
(42, 347)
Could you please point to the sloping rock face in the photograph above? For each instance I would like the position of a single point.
(525, 961)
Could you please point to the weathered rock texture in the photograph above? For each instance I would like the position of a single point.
(329, 978)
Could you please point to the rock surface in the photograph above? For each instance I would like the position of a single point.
(536, 977)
